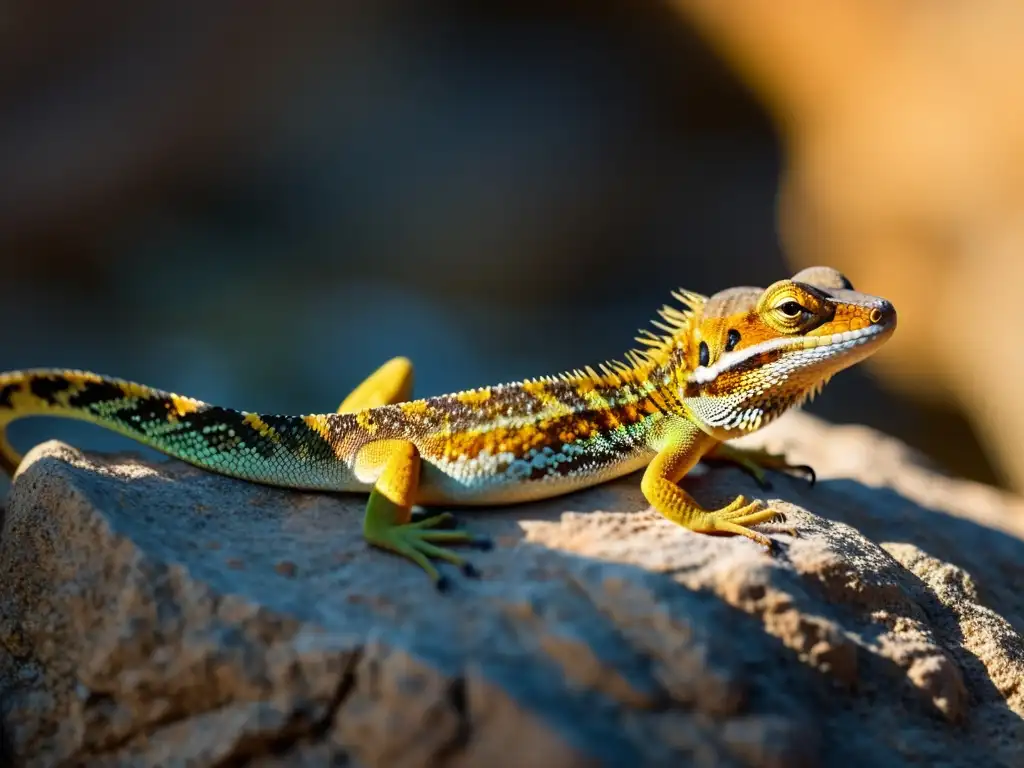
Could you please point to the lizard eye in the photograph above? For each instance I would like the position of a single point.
(705, 354)
(791, 309)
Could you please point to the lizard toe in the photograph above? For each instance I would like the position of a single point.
(421, 543)
(807, 471)
(444, 520)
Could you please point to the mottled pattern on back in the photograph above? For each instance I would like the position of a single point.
(571, 430)
(567, 431)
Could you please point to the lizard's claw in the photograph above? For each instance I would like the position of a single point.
(806, 470)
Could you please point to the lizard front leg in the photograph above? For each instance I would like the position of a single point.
(680, 445)
(756, 461)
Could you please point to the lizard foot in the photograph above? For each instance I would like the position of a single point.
(756, 461)
(421, 542)
(736, 518)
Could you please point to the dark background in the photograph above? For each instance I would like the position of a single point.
(256, 204)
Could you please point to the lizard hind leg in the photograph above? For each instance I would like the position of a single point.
(388, 523)
(391, 383)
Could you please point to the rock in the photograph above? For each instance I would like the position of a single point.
(155, 614)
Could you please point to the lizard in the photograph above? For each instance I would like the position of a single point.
(719, 367)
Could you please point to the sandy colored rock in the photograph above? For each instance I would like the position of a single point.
(154, 614)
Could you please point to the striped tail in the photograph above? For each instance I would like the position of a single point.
(291, 451)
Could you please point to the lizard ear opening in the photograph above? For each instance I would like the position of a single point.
(732, 339)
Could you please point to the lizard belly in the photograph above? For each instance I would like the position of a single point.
(484, 480)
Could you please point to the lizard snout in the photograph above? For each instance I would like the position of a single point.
(883, 313)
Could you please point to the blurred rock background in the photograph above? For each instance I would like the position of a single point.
(256, 203)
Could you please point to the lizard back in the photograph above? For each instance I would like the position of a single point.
(523, 440)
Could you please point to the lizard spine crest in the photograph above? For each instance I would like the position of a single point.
(676, 326)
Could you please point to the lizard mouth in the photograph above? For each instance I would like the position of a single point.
(883, 322)
(838, 342)
(835, 350)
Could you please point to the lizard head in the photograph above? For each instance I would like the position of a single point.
(754, 353)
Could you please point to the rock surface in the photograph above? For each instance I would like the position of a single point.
(154, 614)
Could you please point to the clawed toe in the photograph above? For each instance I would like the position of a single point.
(778, 524)
(808, 471)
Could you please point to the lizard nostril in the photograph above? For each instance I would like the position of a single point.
(882, 313)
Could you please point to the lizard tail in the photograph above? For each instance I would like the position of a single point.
(134, 410)
(294, 451)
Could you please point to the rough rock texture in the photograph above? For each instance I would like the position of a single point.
(153, 614)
